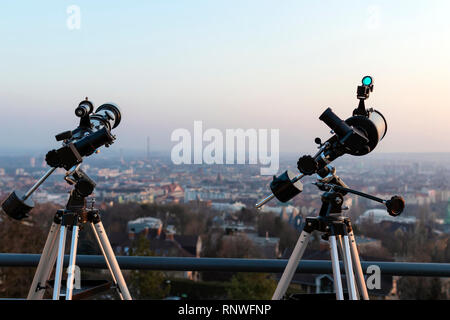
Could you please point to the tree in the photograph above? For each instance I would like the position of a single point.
(237, 246)
(146, 284)
(420, 288)
(251, 286)
(247, 215)
(276, 227)
(27, 236)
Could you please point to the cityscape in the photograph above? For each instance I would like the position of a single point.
(421, 179)
(220, 200)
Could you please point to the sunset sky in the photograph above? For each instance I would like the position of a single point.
(231, 64)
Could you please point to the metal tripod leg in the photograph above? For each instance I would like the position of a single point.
(357, 265)
(72, 259)
(45, 266)
(291, 265)
(349, 269)
(110, 257)
(336, 269)
(59, 262)
(348, 275)
(106, 258)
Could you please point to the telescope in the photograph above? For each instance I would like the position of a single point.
(357, 136)
(93, 132)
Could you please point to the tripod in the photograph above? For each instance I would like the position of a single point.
(336, 228)
(72, 218)
(338, 231)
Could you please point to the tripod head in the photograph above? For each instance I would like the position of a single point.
(93, 131)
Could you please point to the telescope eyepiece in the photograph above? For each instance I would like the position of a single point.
(335, 123)
(84, 108)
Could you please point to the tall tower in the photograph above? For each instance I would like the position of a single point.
(148, 148)
(447, 219)
(122, 160)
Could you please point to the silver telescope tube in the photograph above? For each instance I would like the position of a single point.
(38, 183)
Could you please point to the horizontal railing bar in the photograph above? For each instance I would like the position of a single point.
(230, 264)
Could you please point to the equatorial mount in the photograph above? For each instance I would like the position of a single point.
(394, 206)
(336, 229)
(72, 218)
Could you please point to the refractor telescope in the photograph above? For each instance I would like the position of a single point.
(93, 132)
(357, 136)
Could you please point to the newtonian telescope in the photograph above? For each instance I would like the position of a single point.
(93, 131)
(358, 136)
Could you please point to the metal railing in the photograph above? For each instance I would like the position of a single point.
(230, 264)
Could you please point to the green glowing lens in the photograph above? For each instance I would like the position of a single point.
(367, 81)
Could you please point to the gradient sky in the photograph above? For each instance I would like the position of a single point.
(232, 64)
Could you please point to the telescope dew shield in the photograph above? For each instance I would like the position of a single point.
(283, 188)
(107, 115)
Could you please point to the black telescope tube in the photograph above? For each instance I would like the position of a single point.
(92, 142)
(335, 123)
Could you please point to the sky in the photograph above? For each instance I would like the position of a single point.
(230, 64)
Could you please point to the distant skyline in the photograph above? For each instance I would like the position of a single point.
(231, 64)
